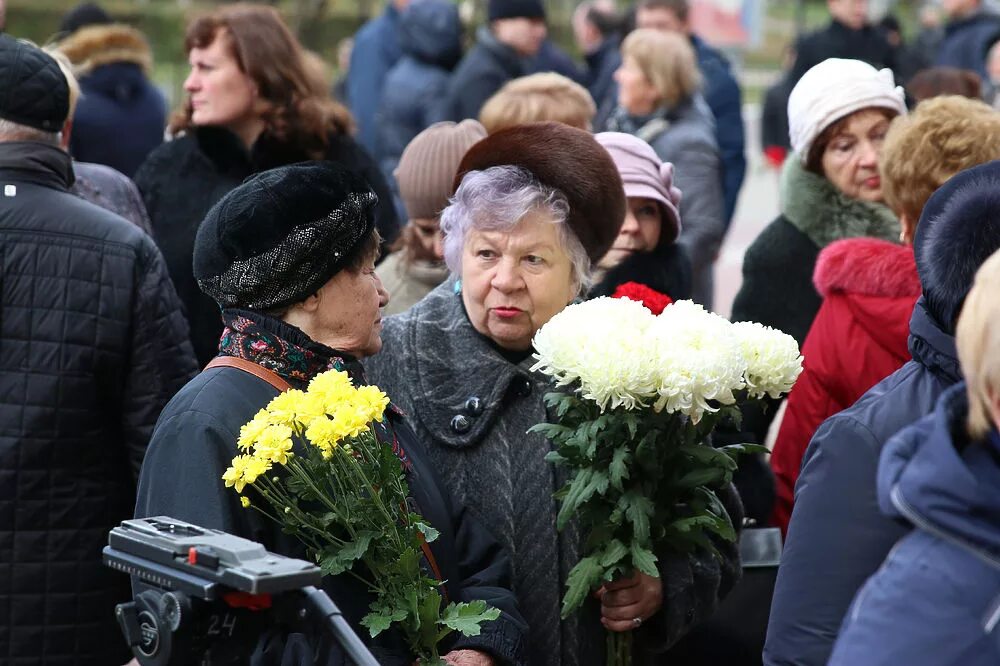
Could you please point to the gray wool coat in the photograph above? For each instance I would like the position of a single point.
(472, 409)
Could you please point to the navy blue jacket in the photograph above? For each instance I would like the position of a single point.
(838, 536)
(376, 50)
(724, 99)
(120, 118)
(936, 600)
(413, 98)
(551, 58)
(601, 66)
(966, 42)
(483, 71)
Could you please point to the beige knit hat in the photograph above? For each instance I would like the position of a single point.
(427, 167)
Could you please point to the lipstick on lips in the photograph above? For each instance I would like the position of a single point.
(873, 182)
(507, 312)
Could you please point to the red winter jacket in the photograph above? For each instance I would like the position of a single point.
(858, 338)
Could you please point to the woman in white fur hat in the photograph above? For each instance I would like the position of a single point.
(838, 116)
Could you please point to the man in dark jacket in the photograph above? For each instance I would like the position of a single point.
(837, 536)
(968, 36)
(848, 35)
(720, 91)
(596, 27)
(376, 50)
(94, 346)
(502, 52)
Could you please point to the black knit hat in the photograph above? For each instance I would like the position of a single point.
(281, 235)
(569, 160)
(33, 90)
(959, 229)
(84, 14)
(504, 9)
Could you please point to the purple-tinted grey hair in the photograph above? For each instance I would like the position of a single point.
(496, 199)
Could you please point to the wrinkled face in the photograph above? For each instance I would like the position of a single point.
(347, 316)
(427, 239)
(635, 93)
(850, 160)
(659, 18)
(222, 95)
(639, 233)
(852, 13)
(514, 282)
(524, 35)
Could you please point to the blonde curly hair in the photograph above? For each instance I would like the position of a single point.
(943, 136)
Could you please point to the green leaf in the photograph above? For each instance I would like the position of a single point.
(640, 509)
(734, 450)
(582, 488)
(583, 578)
(613, 553)
(376, 623)
(430, 534)
(409, 564)
(644, 560)
(704, 476)
(710, 456)
(619, 467)
(466, 618)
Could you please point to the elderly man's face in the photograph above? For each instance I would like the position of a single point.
(347, 314)
(513, 282)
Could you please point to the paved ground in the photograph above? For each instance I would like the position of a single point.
(757, 206)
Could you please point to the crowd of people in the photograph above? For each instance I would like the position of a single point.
(163, 276)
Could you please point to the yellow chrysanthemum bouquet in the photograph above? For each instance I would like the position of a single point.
(342, 492)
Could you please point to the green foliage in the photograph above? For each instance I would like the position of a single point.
(350, 512)
(640, 483)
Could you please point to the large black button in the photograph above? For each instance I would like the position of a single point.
(474, 406)
(522, 387)
(461, 424)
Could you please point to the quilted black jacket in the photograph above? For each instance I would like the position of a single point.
(92, 345)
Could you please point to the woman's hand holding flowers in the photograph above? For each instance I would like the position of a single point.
(626, 600)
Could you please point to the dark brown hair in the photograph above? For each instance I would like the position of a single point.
(814, 160)
(267, 52)
(928, 83)
(680, 8)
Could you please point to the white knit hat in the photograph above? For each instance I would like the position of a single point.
(833, 89)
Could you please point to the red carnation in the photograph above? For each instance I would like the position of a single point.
(654, 301)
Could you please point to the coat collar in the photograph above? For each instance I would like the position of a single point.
(934, 476)
(455, 364)
(39, 163)
(500, 52)
(931, 346)
(867, 266)
(819, 210)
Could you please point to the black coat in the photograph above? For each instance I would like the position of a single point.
(182, 179)
(94, 344)
(195, 441)
(482, 72)
(838, 41)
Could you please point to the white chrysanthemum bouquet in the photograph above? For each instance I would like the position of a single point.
(640, 395)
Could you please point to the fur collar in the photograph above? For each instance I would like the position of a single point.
(867, 266)
(819, 210)
(90, 47)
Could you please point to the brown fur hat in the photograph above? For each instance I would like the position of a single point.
(569, 160)
(94, 45)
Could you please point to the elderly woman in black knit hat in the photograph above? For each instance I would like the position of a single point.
(536, 206)
(290, 258)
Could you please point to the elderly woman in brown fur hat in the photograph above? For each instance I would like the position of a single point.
(535, 207)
